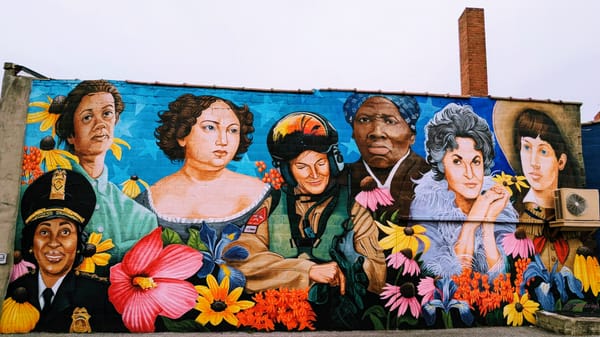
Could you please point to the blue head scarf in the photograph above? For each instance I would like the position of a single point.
(407, 106)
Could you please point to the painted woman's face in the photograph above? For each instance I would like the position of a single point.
(94, 124)
(464, 169)
(540, 164)
(214, 139)
(55, 246)
(311, 171)
(380, 132)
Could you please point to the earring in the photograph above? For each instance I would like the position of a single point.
(30, 250)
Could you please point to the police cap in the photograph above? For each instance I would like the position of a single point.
(58, 194)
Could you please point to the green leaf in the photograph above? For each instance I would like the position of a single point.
(195, 242)
(375, 314)
(187, 325)
(169, 236)
(394, 217)
(407, 319)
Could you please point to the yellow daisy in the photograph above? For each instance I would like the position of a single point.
(54, 158)
(216, 304)
(95, 254)
(519, 308)
(507, 181)
(131, 187)
(399, 238)
(520, 182)
(44, 116)
(18, 315)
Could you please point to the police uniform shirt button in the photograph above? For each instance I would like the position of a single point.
(552, 247)
(553, 259)
(97, 207)
(100, 229)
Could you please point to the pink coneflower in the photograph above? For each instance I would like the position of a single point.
(404, 258)
(426, 288)
(401, 297)
(20, 266)
(518, 244)
(371, 196)
(150, 281)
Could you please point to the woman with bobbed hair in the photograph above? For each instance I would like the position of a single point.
(464, 211)
(535, 140)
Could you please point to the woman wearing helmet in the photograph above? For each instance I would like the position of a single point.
(314, 226)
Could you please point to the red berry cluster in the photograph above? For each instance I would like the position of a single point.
(32, 157)
(272, 176)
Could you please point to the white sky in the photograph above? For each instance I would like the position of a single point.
(543, 49)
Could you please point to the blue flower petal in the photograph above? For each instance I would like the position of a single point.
(209, 236)
(236, 277)
(236, 253)
(208, 264)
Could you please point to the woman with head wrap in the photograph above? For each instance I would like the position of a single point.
(384, 128)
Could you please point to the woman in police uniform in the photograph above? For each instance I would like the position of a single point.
(55, 209)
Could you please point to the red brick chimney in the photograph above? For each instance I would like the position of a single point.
(473, 63)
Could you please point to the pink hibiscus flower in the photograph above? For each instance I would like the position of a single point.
(518, 244)
(150, 282)
(402, 297)
(404, 259)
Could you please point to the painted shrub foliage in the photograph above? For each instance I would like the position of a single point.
(224, 209)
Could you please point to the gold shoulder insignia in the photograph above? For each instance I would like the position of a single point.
(91, 276)
(81, 321)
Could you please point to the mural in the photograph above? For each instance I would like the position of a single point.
(176, 208)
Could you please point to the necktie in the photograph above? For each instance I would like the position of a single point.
(47, 294)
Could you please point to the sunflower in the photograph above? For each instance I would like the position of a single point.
(94, 253)
(18, 315)
(399, 238)
(216, 304)
(519, 308)
(131, 187)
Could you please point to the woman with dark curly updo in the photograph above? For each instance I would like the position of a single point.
(204, 199)
(178, 121)
(206, 133)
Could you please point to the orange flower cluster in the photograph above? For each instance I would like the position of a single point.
(475, 289)
(32, 157)
(288, 307)
(520, 267)
(272, 176)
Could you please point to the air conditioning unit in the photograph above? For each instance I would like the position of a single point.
(576, 204)
(576, 209)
